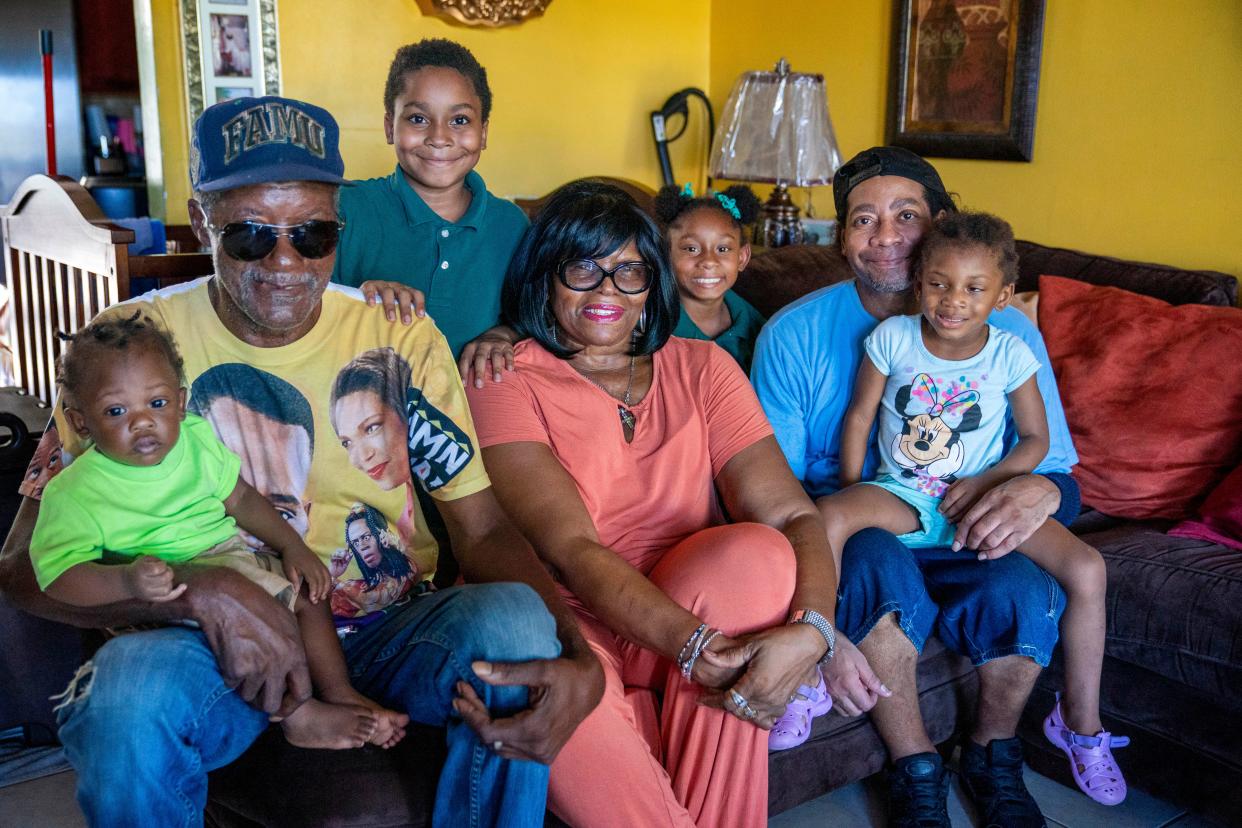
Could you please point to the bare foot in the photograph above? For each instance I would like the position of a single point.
(322, 725)
(389, 724)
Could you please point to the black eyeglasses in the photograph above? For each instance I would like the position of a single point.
(584, 275)
(249, 241)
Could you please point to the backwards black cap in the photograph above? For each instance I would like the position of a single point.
(883, 161)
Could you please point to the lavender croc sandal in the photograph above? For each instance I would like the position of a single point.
(1091, 758)
(794, 727)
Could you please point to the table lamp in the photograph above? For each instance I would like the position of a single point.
(776, 130)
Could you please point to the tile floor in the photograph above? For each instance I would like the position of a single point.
(862, 804)
(48, 803)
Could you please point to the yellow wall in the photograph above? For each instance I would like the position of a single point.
(174, 129)
(572, 90)
(1137, 134)
(1136, 148)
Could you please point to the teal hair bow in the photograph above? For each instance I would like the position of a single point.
(687, 191)
(729, 204)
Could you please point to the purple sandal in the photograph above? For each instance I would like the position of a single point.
(794, 727)
(1091, 758)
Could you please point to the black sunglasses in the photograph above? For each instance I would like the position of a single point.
(249, 241)
(583, 275)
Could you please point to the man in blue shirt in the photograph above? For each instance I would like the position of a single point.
(1003, 613)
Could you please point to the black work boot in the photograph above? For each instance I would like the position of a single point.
(918, 789)
(992, 777)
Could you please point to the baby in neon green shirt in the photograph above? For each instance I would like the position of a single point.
(158, 487)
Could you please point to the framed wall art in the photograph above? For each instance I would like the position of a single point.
(964, 77)
(492, 14)
(231, 51)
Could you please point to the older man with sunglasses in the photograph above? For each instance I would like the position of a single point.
(501, 664)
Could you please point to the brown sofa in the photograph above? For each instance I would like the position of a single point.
(1171, 681)
(1167, 678)
(1173, 666)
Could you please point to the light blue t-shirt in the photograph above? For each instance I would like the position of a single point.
(806, 361)
(939, 419)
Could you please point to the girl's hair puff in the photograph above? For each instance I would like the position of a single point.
(672, 203)
(110, 338)
(965, 229)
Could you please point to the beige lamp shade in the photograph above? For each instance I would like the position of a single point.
(776, 129)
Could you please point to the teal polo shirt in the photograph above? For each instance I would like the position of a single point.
(390, 233)
(739, 338)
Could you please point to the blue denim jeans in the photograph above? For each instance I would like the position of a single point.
(981, 609)
(150, 715)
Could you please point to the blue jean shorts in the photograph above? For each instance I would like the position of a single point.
(981, 609)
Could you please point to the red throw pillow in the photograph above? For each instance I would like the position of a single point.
(1152, 393)
(1220, 516)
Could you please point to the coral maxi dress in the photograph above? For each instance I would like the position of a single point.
(635, 760)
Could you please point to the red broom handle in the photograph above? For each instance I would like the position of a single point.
(45, 48)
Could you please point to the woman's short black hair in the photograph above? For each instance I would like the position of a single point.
(671, 203)
(587, 220)
(436, 51)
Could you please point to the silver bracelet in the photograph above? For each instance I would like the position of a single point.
(707, 639)
(687, 669)
(688, 648)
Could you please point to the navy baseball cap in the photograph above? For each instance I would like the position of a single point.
(257, 140)
(883, 161)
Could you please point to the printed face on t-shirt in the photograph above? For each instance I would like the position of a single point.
(364, 542)
(280, 476)
(267, 423)
(374, 435)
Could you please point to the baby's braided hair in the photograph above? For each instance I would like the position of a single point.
(111, 337)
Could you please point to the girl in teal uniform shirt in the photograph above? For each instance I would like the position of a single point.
(708, 248)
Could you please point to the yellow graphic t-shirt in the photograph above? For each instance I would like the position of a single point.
(334, 430)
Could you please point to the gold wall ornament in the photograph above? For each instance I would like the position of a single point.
(490, 13)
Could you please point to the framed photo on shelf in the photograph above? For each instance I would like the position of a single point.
(964, 77)
(231, 51)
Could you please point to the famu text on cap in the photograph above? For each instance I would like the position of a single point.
(247, 141)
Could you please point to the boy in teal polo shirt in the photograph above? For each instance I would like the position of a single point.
(432, 225)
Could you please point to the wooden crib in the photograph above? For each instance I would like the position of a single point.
(64, 263)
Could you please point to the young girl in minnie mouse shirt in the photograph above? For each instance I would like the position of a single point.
(944, 383)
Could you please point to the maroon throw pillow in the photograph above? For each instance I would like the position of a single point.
(1152, 393)
(1220, 516)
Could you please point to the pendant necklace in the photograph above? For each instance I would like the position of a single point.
(623, 410)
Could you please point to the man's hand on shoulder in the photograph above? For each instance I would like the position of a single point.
(1003, 518)
(563, 691)
(255, 639)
